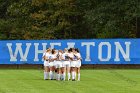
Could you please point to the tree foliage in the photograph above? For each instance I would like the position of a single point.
(113, 19)
(67, 19)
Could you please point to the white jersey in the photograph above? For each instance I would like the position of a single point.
(59, 56)
(77, 56)
(58, 63)
(71, 55)
(51, 62)
(65, 62)
(47, 55)
(52, 56)
(65, 56)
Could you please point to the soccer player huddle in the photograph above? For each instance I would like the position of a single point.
(61, 63)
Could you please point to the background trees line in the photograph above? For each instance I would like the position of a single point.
(66, 19)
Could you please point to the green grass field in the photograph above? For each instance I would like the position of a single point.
(92, 81)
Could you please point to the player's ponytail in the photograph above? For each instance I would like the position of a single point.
(53, 51)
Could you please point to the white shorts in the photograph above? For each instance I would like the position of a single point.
(78, 64)
(51, 64)
(46, 63)
(73, 63)
(66, 64)
(58, 64)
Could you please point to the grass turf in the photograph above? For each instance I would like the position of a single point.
(92, 81)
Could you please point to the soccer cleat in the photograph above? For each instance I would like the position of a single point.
(73, 79)
(46, 79)
(62, 79)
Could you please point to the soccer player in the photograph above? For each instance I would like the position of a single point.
(72, 60)
(46, 55)
(58, 64)
(52, 60)
(78, 63)
(65, 65)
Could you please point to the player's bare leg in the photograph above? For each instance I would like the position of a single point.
(58, 74)
(73, 73)
(54, 73)
(63, 73)
(78, 73)
(46, 72)
(68, 72)
(51, 72)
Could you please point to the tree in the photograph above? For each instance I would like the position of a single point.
(115, 19)
(68, 19)
(51, 19)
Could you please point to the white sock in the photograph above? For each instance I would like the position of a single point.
(45, 75)
(68, 76)
(55, 75)
(51, 75)
(64, 76)
(78, 76)
(61, 76)
(73, 75)
(58, 76)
